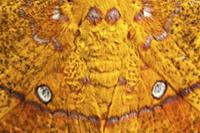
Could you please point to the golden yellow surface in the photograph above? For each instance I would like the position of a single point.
(83, 64)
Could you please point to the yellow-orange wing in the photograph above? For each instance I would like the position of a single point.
(99, 66)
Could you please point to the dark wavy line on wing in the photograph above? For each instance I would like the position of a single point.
(94, 119)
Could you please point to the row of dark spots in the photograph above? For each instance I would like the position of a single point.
(95, 15)
(113, 119)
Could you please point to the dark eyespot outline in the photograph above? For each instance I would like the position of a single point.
(42, 85)
(165, 82)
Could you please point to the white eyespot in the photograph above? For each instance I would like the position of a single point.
(159, 89)
(44, 93)
(56, 14)
(147, 12)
